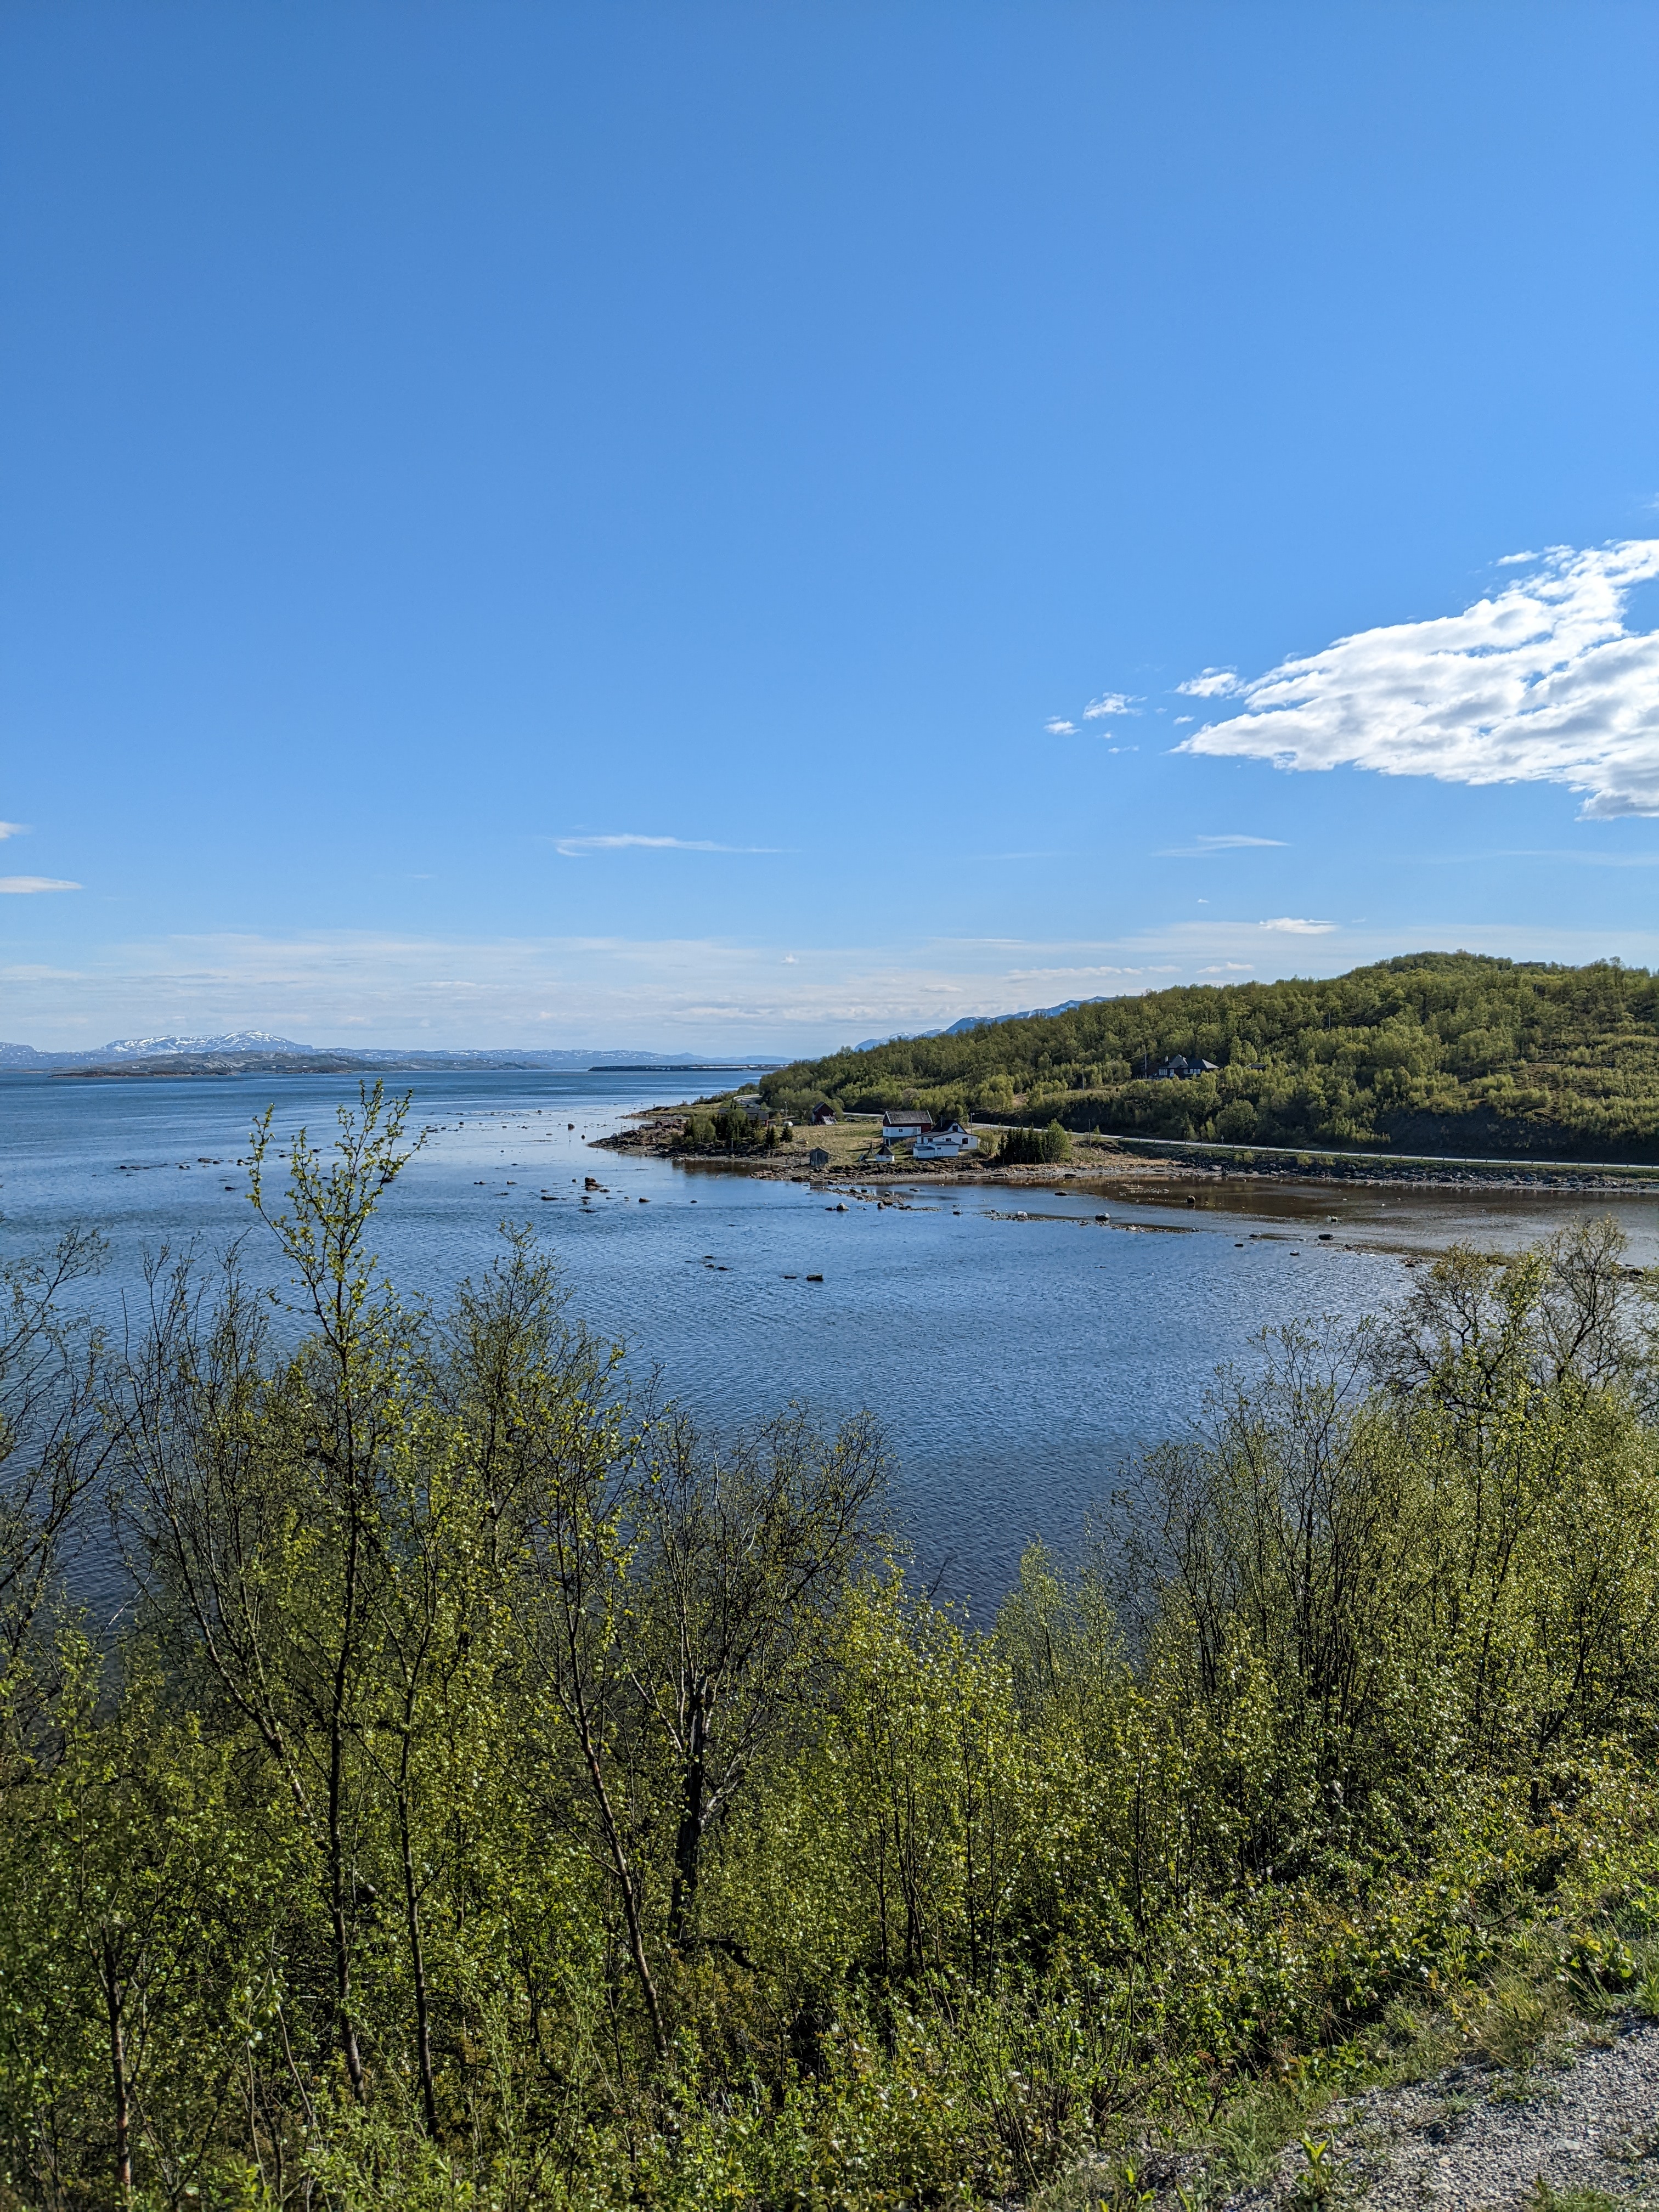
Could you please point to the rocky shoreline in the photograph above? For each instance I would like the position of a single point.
(849, 1143)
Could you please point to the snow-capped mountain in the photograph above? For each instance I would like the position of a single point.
(256, 1051)
(232, 1041)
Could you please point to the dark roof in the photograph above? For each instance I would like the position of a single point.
(906, 1121)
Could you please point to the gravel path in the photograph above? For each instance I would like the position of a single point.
(1467, 2142)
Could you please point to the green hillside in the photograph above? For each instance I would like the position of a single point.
(1437, 1052)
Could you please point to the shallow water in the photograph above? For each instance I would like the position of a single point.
(1017, 1363)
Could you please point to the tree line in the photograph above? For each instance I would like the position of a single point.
(498, 1792)
(1435, 1052)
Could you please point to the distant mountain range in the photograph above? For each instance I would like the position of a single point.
(249, 1052)
(257, 1052)
(979, 1021)
(26, 1056)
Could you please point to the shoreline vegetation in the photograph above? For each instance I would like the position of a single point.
(501, 1795)
(1433, 1054)
(689, 1131)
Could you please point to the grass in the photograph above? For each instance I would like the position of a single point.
(1546, 2199)
(1519, 2026)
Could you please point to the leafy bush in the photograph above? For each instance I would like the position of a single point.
(1033, 1147)
(729, 1130)
(503, 1795)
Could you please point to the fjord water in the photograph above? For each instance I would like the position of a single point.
(1017, 1363)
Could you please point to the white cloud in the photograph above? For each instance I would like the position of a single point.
(1202, 847)
(1540, 684)
(1060, 729)
(1109, 703)
(24, 884)
(1213, 684)
(576, 848)
(13, 830)
(653, 993)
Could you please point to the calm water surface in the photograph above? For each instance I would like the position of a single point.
(1017, 1363)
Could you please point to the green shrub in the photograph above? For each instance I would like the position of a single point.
(508, 1798)
(1034, 1147)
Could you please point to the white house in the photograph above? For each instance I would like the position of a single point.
(906, 1124)
(949, 1144)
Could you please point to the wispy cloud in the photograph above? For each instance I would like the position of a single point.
(1109, 703)
(13, 830)
(25, 885)
(650, 993)
(1204, 848)
(1078, 975)
(1211, 684)
(1542, 853)
(576, 848)
(1541, 683)
(1058, 729)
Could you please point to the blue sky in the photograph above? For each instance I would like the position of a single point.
(570, 525)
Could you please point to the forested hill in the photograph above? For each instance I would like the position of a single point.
(1446, 1052)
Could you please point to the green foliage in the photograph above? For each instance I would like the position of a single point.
(503, 1795)
(728, 1130)
(1574, 2200)
(1033, 1147)
(1438, 1052)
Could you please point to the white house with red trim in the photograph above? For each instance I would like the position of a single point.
(896, 1128)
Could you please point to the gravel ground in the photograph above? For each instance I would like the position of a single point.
(1475, 2140)
(1472, 2139)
